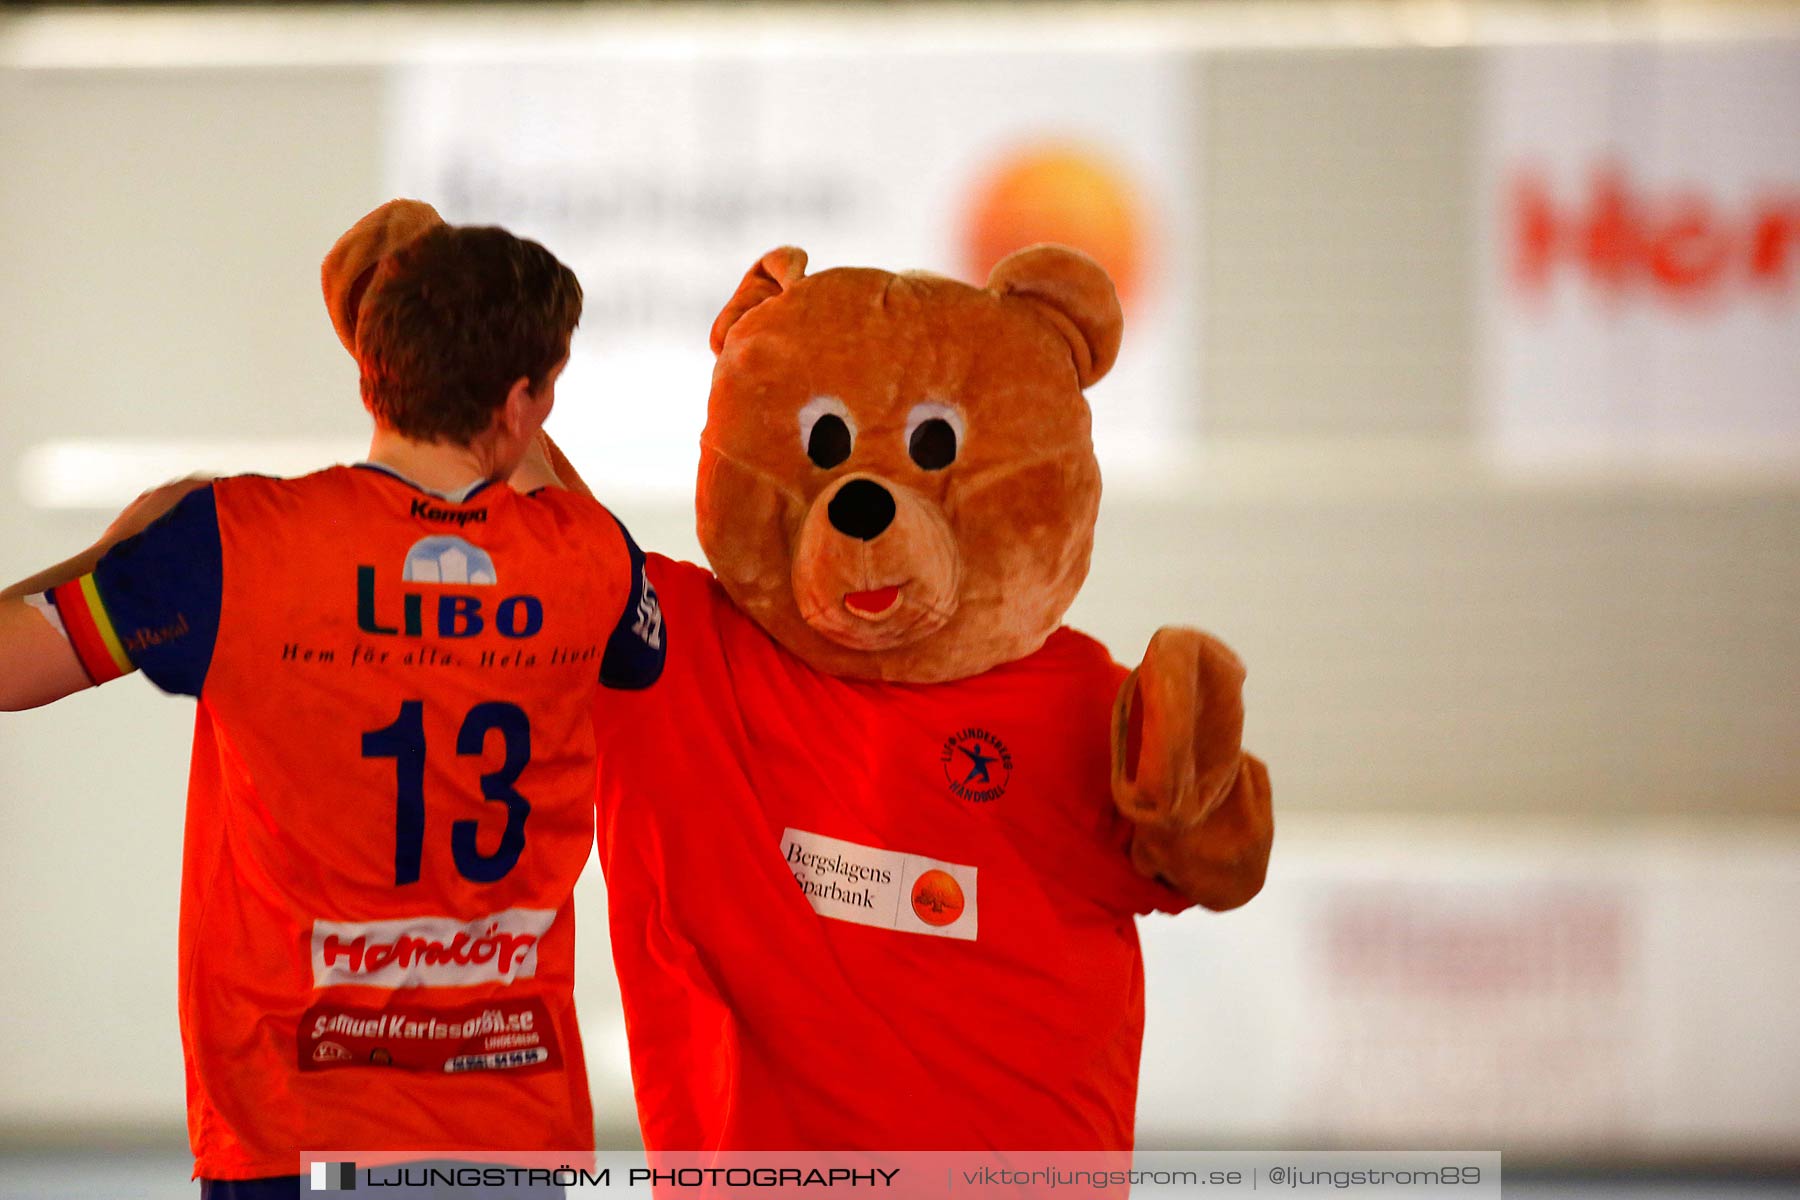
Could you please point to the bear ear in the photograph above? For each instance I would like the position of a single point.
(774, 273)
(351, 263)
(1073, 293)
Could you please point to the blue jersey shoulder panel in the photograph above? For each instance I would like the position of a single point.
(638, 643)
(162, 590)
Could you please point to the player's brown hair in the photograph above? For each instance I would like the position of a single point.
(452, 320)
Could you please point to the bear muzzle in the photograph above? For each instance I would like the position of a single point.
(875, 565)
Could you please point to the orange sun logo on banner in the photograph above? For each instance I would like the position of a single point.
(1058, 192)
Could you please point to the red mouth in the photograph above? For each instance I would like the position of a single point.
(874, 603)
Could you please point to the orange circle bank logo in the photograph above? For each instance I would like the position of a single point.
(1058, 192)
(937, 898)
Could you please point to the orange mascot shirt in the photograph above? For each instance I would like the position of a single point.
(862, 915)
(391, 797)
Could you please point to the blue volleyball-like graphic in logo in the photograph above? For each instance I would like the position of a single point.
(448, 560)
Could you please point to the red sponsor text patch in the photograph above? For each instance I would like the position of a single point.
(495, 1035)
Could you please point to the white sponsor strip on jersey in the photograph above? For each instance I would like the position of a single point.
(884, 888)
(429, 951)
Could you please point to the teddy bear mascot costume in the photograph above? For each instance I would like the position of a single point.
(875, 843)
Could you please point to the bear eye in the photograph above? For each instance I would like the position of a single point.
(826, 433)
(933, 433)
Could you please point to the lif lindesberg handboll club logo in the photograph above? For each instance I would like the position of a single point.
(977, 765)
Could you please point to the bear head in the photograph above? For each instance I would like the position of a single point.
(897, 475)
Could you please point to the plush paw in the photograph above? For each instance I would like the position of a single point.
(1221, 861)
(1201, 805)
(1178, 729)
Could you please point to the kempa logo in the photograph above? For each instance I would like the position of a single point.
(977, 765)
(427, 511)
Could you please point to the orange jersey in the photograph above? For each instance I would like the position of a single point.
(849, 914)
(392, 794)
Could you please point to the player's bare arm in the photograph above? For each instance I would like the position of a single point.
(37, 663)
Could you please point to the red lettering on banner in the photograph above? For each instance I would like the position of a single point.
(1621, 239)
(1776, 233)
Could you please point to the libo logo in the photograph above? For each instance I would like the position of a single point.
(446, 561)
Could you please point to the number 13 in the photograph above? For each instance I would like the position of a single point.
(404, 742)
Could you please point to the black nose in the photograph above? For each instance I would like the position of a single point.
(861, 509)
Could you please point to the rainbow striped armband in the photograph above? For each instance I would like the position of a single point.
(90, 630)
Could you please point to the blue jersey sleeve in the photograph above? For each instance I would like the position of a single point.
(162, 590)
(635, 649)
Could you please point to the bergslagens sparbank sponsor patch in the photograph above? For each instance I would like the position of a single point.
(887, 889)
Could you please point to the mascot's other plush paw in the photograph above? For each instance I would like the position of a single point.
(560, 466)
(1178, 729)
(349, 266)
(1201, 805)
